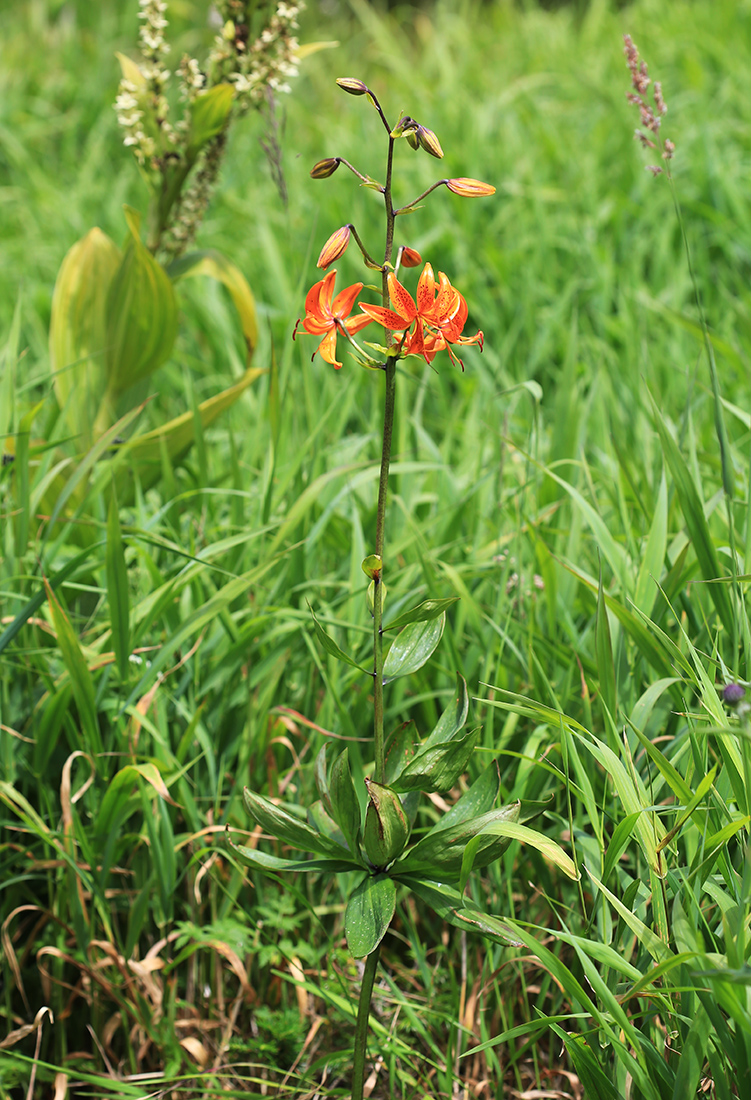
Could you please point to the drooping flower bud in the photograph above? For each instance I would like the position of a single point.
(335, 246)
(470, 189)
(405, 126)
(351, 86)
(386, 830)
(429, 142)
(324, 168)
(410, 257)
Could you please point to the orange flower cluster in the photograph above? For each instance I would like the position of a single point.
(430, 324)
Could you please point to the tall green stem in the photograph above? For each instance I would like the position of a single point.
(388, 427)
(361, 1034)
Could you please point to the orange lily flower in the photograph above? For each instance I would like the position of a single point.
(324, 317)
(435, 319)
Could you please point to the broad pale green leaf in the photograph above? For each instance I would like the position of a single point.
(453, 717)
(141, 317)
(216, 266)
(117, 588)
(423, 613)
(208, 115)
(440, 852)
(291, 830)
(369, 913)
(412, 648)
(437, 768)
(401, 747)
(78, 331)
(345, 807)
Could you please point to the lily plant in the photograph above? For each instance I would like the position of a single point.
(368, 829)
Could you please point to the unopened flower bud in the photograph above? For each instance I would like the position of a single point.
(386, 830)
(410, 257)
(405, 125)
(335, 246)
(413, 139)
(352, 86)
(429, 142)
(324, 168)
(470, 189)
(372, 566)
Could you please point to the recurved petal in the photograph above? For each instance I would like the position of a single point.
(385, 317)
(345, 300)
(325, 294)
(401, 300)
(327, 348)
(313, 298)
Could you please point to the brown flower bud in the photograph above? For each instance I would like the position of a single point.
(335, 247)
(324, 168)
(351, 86)
(429, 142)
(410, 257)
(470, 189)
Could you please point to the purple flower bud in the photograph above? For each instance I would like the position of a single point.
(732, 694)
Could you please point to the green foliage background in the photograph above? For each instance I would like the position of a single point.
(516, 486)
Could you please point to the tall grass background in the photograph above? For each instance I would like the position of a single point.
(568, 487)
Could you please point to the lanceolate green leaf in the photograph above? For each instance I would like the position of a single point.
(369, 913)
(412, 648)
(78, 671)
(345, 808)
(604, 649)
(423, 613)
(453, 907)
(330, 645)
(453, 717)
(696, 522)
(440, 853)
(437, 768)
(117, 588)
(263, 861)
(278, 823)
